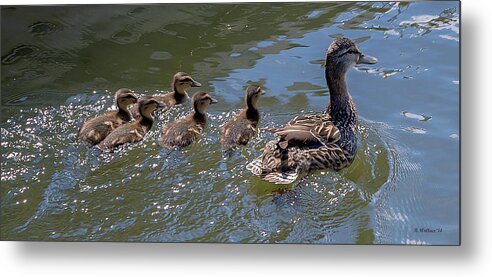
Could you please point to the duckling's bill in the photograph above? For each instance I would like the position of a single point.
(366, 59)
(195, 83)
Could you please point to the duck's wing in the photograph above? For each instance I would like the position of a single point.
(309, 120)
(283, 166)
(306, 143)
(295, 136)
(328, 132)
(307, 130)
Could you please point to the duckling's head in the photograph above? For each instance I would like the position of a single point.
(201, 100)
(344, 54)
(125, 97)
(182, 81)
(252, 94)
(147, 106)
(147, 97)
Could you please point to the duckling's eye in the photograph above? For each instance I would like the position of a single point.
(351, 52)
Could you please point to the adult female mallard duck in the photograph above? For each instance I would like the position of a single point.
(134, 131)
(185, 131)
(181, 81)
(322, 141)
(242, 127)
(96, 129)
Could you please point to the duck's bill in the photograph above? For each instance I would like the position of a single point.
(262, 92)
(213, 101)
(365, 59)
(195, 83)
(160, 105)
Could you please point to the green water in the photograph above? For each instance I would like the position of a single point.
(62, 64)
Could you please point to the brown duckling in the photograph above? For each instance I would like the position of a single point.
(181, 81)
(242, 127)
(185, 131)
(96, 129)
(134, 131)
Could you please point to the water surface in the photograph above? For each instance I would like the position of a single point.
(61, 65)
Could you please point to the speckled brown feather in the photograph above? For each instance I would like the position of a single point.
(185, 131)
(128, 133)
(313, 142)
(182, 132)
(96, 129)
(242, 127)
(131, 132)
(238, 131)
(318, 151)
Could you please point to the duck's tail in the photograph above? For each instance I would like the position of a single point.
(255, 167)
(281, 178)
(278, 178)
(271, 130)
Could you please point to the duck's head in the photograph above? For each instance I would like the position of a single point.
(125, 97)
(252, 94)
(182, 81)
(201, 100)
(147, 106)
(344, 54)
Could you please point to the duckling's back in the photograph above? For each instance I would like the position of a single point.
(237, 131)
(96, 129)
(128, 133)
(181, 133)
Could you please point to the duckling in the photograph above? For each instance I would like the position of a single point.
(321, 141)
(136, 130)
(96, 129)
(181, 81)
(186, 130)
(242, 127)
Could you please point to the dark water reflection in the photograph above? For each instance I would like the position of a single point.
(61, 64)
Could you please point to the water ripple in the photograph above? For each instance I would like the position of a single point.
(183, 189)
